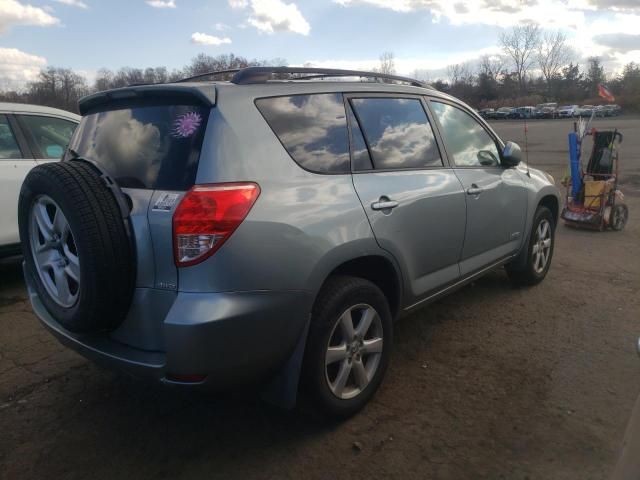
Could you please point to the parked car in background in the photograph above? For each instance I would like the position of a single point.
(503, 113)
(29, 135)
(602, 111)
(546, 110)
(567, 111)
(486, 113)
(526, 112)
(585, 111)
(258, 229)
(613, 109)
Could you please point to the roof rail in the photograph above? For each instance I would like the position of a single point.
(251, 75)
(208, 74)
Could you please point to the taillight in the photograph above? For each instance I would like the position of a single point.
(207, 216)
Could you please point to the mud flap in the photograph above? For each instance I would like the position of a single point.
(282, 391)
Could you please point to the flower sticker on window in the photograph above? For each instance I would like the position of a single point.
(186, 125)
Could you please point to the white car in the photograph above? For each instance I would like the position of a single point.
(567, 111)
(29, 135)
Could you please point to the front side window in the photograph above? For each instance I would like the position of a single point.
(8, 144)
(312, 128)
(398, 132)
(51, 135)
(467, 141)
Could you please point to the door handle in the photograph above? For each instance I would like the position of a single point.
(384, 204)
(474, 190)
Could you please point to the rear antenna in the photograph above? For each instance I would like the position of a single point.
(526, 145)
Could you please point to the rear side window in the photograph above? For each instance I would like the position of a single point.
(49, 134)
(145, 146)
(8, 145)
(397, 132)
(313, 129)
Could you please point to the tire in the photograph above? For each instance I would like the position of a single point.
(360, 297)
(534, 271)
(619, 217)
(83, 271)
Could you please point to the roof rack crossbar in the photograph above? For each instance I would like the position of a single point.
(208, 74)
(251, 75)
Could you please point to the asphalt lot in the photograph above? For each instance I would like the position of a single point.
(491, 382)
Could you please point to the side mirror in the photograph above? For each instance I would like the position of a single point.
(511, 155)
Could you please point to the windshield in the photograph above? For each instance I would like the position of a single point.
(144, 146)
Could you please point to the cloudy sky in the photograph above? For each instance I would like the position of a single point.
(423, 34)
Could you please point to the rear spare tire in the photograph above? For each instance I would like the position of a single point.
(78, 255)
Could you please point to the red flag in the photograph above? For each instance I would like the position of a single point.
(605, 93)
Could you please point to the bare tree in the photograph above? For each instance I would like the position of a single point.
(520, 44)
(460, 73)
(387, 64)
(553, 54)
(491, 66)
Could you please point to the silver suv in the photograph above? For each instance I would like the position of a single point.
(269, 229)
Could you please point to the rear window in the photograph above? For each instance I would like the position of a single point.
(313, 129)
(145, 146)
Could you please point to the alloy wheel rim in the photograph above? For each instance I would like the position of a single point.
(354, 351)
(54, 251)
(541, 246)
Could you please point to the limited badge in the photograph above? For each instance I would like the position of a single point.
(165, 202)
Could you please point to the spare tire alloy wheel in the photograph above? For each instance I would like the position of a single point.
(54, 251)
(78, 255)
(354, 351)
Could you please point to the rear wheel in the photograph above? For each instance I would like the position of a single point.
(540, 250)
(349, 345)
(619, 217)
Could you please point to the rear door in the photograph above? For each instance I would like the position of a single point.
(15, 163)
(48, 136)
(414, 202)
(151, 148)
(496, 196)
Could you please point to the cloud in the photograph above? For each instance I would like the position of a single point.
(434, 67)
(621, 42)
(619, 5)
(162, 3)
(18, 67)
(270, 16)
(13, 13)
(219, 26)
(73, 3)
(204, 39)
(502, 13)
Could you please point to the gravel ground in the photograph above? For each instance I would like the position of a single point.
(490, 382)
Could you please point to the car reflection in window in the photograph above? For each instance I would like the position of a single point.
(313, 129)
(467, 141)
(398, 132)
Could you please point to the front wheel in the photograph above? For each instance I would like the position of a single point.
(349, 345)
(540, 250)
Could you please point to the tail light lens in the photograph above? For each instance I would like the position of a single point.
(207, 216)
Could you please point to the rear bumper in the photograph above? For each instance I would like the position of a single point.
(224, 340)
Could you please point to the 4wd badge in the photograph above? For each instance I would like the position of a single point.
(165, 202)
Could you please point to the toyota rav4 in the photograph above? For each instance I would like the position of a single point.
(268, 230)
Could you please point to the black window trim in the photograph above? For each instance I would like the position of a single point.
(499, 144)
(401, 95)
(23, 147)
(33, 145)
(306, 94)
